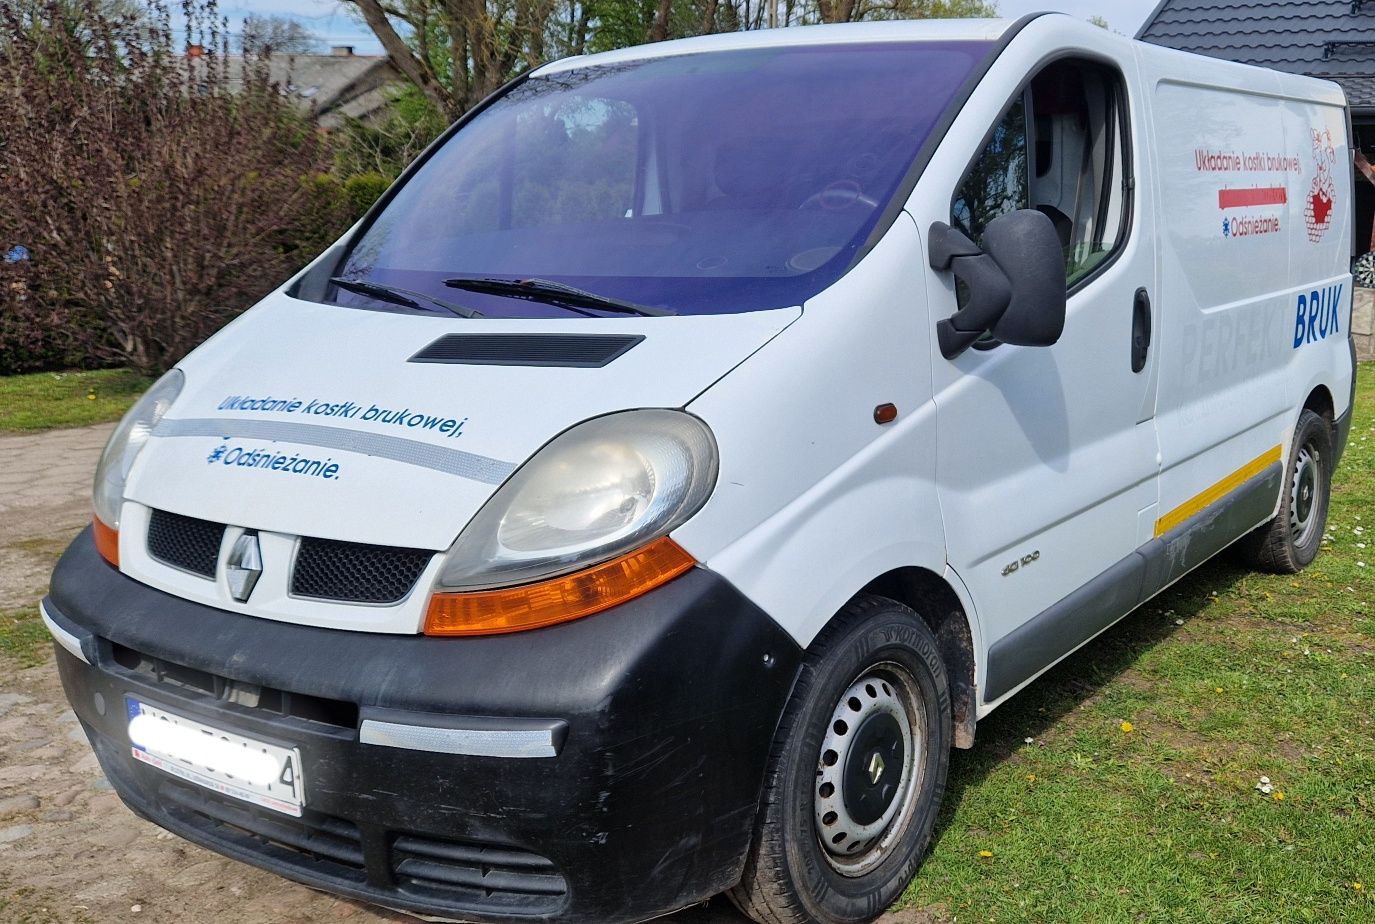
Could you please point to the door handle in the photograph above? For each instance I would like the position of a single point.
(1141, 329)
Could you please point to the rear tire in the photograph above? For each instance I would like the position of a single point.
(857, 773)
(1290, 541)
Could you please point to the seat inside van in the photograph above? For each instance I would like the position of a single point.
(1074, 152)
(1058, 149)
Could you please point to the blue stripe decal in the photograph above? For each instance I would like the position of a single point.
(408, 452)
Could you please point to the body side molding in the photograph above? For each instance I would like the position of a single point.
(1061, 629)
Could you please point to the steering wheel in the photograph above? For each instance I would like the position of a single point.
(839, 195)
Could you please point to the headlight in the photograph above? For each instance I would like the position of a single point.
(125, 443)
(599, 490)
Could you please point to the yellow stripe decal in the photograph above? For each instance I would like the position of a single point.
(1199, 502)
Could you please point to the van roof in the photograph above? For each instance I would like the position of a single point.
(922, 30)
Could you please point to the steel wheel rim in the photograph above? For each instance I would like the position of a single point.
(1304, 494)
(852, 842)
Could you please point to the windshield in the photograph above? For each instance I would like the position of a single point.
(701, 184)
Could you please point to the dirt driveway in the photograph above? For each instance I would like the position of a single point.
(69, 849)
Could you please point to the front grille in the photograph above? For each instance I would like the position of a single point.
(356, 573)
(250, 696)
(185, 542)
(325, 569)
(473, 873)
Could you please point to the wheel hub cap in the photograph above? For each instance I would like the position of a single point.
(865, 772)
(875, 768)
(1303, 495)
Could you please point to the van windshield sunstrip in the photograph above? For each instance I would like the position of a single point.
(707, 183)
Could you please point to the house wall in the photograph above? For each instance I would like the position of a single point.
(1363, 324)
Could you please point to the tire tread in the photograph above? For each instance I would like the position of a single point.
(1269, 547)
(765, 894)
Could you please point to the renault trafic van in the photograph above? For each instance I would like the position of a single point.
(694, 445)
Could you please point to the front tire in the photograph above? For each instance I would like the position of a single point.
(857, 773)
(1288, 543)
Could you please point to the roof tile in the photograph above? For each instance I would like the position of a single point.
(1319, 37)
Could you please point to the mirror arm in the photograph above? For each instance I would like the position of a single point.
(990, 292)
(946, 244)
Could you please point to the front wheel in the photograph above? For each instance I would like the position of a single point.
(856, 775)
(1289, 543)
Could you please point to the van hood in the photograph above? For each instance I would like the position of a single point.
(318, 420)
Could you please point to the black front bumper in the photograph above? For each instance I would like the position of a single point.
(670, 704)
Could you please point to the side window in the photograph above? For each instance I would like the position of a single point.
(998, 181)
(1060, 149)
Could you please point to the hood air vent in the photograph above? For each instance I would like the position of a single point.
(576, 351)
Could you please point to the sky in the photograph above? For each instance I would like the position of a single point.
(335, 24)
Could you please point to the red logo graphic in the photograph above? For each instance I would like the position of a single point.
(1322, 193)
(1321, 205)
(1248, 198)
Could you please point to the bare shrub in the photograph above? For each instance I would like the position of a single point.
(156, 194)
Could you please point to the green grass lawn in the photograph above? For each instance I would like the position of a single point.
(45, 400)
(23, 637)
(1062, 814)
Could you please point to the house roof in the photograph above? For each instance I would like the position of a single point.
(1334, 39)
(333, 86)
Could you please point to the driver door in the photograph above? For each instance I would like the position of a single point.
(1047, 457)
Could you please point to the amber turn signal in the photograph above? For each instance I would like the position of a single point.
(562, 599)
(106, 541)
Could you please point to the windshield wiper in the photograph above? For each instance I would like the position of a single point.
(554, 293)
(404, 297)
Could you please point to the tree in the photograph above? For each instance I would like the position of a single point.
(458, 51)
(276, 34)
(858, 10)
(1100, 22)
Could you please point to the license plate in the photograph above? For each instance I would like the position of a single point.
(228, 763)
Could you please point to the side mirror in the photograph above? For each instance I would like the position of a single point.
(1016, 283)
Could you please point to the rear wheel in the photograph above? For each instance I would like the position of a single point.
(1289, 542)
(857, 773)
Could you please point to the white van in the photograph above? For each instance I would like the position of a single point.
(694, 445)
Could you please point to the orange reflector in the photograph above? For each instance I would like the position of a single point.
(573, 596)
(106, 541)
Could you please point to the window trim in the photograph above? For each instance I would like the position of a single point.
(1122, 99)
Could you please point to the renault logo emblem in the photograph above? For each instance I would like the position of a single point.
(244, 567)
(876, 768)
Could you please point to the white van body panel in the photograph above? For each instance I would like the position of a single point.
(814, 498)
(1234, 378)
(506, 414)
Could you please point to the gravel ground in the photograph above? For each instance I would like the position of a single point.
(69, 850)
